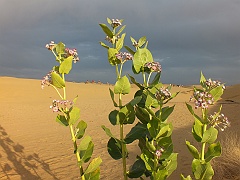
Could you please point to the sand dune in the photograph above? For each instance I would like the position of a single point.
(34, 146)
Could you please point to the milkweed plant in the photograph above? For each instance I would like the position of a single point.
(206, 127)
(67, 113)
(149, 106)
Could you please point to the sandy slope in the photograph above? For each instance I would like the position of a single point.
(34, 146)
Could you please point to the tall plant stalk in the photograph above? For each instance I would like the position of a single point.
(68, 113)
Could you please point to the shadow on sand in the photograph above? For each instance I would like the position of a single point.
(16, 163)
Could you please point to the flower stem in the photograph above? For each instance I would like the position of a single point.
(117, 72)
(149, 76)
(203, 144)
(144, 79)
(57, 91)
(64, 88)
(75, 149)
(123, 145)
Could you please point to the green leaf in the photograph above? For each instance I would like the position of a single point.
(57, 81)
(109, 21)
(151, 102)
(193, 150)
(142, 115)
(112, 57)
(120, 41)
(142, 41)
(94, 164)
(85, 150)
(171, 163)
(187, 178)
(60, 48)
(81, 127)
(148, 159)
(104, 45)
(120, 30)
(122, 86)
(203, 171)
(197, 130)
(141, 57)
(167, 145)
(126, 114)
(107, 131)
(75, 100)
(161, 174)
(164, 129)
(135, 101)
(214, 150)
(132, 52)
(74, 115)
(153, 128)
(137, 169)
(114, 148)
(62, 120)
(135, 82)
(112, 97)
(210, 135)
(202, 80)
(216, 93)
(166, 111)
(113, 117)
(66, 66)
(136, 132)
(95, 175)
(133, 40)
(192, 112)
(107, 31)
(150, 147)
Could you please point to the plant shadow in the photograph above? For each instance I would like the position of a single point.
(16, 163)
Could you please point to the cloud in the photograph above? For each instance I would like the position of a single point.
(185, 36)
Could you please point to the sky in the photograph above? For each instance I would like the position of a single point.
(185, 36)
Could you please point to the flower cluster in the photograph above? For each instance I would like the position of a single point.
(124, 56)
(72, 52)
(68, 51)
(116, 23)
(212, 84)
(60, 105)
(220, 121)
(159, 152)
(46, 80)
(202, 99)
(163, 94)
(153, 66)
(50, 46)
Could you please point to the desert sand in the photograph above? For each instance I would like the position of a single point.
(34, 146)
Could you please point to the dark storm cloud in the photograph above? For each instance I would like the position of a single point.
(185, 36)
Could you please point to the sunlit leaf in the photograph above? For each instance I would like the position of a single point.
(66, 66)
(57, 81)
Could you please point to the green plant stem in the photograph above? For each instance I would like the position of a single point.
(73, 134)
(203, 144)
(64, 88)
(120, 72)
(57, 91)
(117, 72)
(144, 79)
(124, 163)
(123, 145)
(149, 76)
(75, 149)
